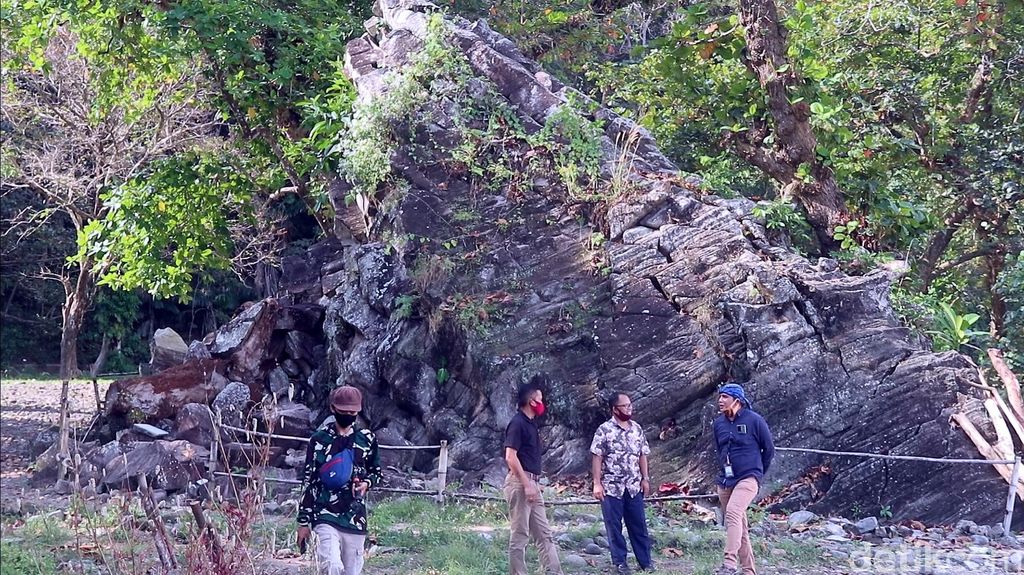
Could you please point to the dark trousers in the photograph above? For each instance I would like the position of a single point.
(631, 510)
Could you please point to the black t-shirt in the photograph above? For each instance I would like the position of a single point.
(523, 436)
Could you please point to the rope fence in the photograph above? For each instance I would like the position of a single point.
(441, 494)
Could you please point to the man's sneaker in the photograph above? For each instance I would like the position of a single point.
(723, 570)
(622, 570)
(648, 569)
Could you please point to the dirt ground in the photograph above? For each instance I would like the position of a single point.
(29, 407)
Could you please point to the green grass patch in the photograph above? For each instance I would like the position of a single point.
(454, 539)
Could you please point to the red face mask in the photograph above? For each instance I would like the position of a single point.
(539, 408)
(622, 416)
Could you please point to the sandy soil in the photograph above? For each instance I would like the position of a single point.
(28, 407)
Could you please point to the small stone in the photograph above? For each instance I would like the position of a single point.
(561, 514)
(150, 430)
(801, 517)
(980, 540)
(834, 529)
(1015, 561)
(866, 525)
(601, 541)
(994, 531)
(965, 527)
(574, 561)
(593, 549)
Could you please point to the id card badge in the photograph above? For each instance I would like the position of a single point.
(728, 472)
(741, 429)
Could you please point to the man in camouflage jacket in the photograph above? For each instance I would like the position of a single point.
(621, 482)
(338, 517)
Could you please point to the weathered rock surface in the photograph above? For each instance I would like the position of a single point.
(167, 349)
(160, 396)
(468, 285)
(507, 291)
(168, 465)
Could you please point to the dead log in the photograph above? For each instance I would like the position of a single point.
(988, 451)
(1010, 417)
(1009, 379)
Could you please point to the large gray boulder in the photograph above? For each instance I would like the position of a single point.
(470, 286)
(168, 465)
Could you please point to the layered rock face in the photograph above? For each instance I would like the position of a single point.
(508, 230)
(655, 290)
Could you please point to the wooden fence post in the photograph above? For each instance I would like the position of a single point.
(1012, 497)
(96, 392)
(442, 470)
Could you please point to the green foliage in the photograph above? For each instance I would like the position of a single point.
(780, 214)
(575, 144)
(404, 306)
(165, 226)
(1011, 287)
(887, 92)
(954, 330)
(367, 145)
(885, 512)
(18, 559)
(845, 234)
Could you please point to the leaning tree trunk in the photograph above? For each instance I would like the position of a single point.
(77, 298)
(795, 142)
(994, 264)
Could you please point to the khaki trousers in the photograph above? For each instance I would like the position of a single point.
(737, 542)
(338, 552)
(528, 521)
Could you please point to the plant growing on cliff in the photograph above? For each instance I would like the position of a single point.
(368, 144)
(575, 145)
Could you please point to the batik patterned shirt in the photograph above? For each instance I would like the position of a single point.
(620, 450)
(339, 508)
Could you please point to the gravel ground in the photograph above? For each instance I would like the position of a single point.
(28, 407)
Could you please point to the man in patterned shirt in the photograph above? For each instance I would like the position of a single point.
(621, 482)
(342, 463)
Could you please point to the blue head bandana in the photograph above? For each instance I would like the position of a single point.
(735, 390)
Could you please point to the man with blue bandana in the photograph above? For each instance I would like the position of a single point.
(743, 443)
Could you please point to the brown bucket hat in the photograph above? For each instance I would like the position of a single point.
(346, 398)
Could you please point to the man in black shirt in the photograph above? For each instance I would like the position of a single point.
(526, 510)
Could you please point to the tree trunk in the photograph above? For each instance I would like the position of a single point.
(77, 299)
(939, 242)
(101, 359)
(823, 202)
(795, 142)
(994, 264)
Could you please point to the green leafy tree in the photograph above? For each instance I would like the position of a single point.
(914, 109)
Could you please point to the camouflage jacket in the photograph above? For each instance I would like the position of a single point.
(338, 508)
(620, 450)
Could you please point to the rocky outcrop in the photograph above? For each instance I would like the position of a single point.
(523, 233)
(474, 281)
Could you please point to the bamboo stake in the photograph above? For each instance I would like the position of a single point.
(1010, 499)
(64, 429)
(442, 470)
(207, 529)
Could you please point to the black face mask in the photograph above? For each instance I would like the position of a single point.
(344, 419)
